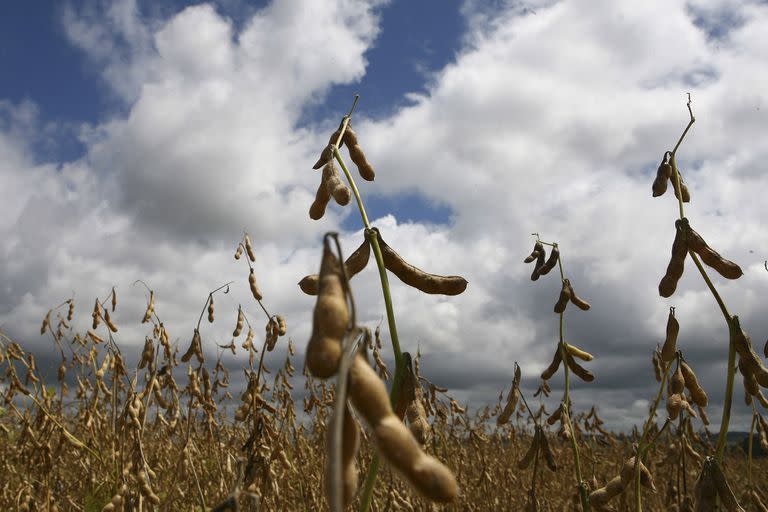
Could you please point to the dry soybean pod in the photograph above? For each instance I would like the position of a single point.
(240, 322)
(512, 398)
(354, 264)
(579, 370)
(254, 288)
(322, 196)
(538, 247)
(676, 265)
(565, 296)
(330, 319)
(663, 174)
(549, 457)
(575, 299)
(350, 443)
(685, 192)
(551, 262)
(417, 278)
(358, 157)
(540, 260)
(577, 352)
(709, 256)
(669, 349)
(336, 187)
(327, 154)
(532, 449)
(553, 366)
(698, 394)
(393, 439)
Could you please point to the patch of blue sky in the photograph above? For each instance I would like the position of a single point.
(406, 207)
(417, 38)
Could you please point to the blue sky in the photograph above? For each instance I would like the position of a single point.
(135, 135)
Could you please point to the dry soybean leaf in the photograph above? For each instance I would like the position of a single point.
(417, 278)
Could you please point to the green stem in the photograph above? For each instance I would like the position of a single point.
(372, 236)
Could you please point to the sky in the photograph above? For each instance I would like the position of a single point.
(139, 140)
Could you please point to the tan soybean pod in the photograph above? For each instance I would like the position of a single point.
(327, 154)
(577, 352)
(240, 322)
(210, 309)
(395, 442)
(663, 175)
(628, 474)
(669, 348)
(249, 248)
(417, 278)
(565, 296)
(538, 247)
(354, 264)
(579, 370)
(417, 418)
(336, 187)
(696, 243)
(108, 321)
(150, 308)
(575, 299)
(676, 265)
(553, 366)
(685, 192)
(540, 260)
(330, 319)
(322, 196)
(674, 404)
(551, 262)
(512, 398)
(677, 382)
(698, 394)
(752, 361)
(254, 288)
(356, 154)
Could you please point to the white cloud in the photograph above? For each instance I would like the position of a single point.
(550, 120)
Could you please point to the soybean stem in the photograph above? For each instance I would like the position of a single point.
(372, 236)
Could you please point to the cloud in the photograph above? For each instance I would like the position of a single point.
(551, 119)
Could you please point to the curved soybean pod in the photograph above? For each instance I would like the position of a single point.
(417, 278)
(354, 264)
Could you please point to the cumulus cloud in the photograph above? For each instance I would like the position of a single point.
(551, 119)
